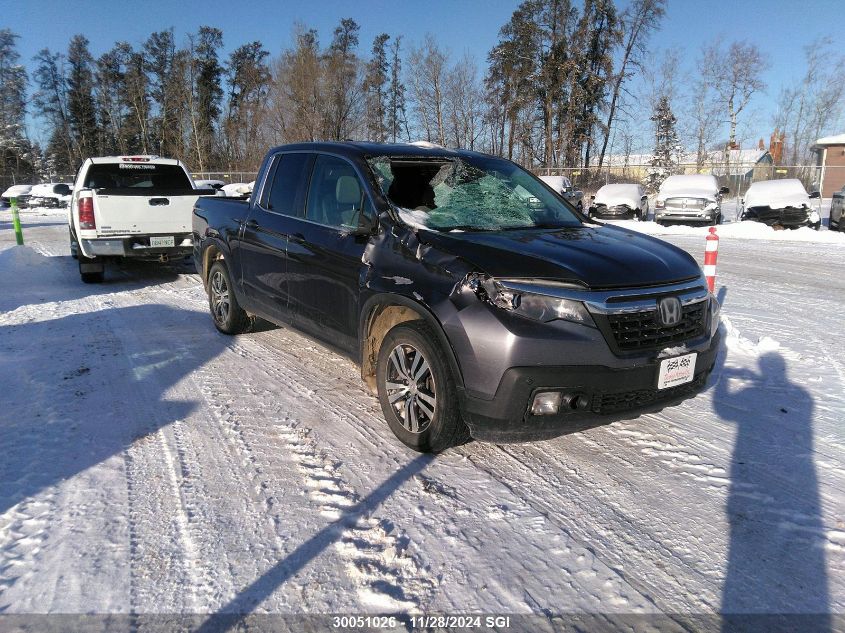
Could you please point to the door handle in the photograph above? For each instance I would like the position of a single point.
(251, 224)
(297, 237)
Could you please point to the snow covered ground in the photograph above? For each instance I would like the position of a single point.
(152, 465)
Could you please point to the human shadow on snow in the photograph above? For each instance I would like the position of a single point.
(776, 554)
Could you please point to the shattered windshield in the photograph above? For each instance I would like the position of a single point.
(468, 194)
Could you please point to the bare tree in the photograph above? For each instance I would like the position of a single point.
(464, 105)
(814, 106)
(427, 73)
(638, 21)
(735, 73)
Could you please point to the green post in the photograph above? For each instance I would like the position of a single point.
(16, 222)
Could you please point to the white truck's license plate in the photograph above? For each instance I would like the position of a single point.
(162, 242)
(676, 371)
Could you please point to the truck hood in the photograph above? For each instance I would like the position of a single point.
(599, 256)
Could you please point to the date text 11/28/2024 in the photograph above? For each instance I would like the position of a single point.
(421, 621)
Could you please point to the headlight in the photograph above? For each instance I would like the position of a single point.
(659, 204)
(710, 206)
(814, 216)
(543, 308)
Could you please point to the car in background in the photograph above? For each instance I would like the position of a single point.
(784, 203)
(563, 187)
(837, 210)
(689, 199)
(130, 207)
(620, 202)
(19, 192)
(51, 195)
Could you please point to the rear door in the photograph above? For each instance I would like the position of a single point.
(147, 198)
(277, 213)
(324, 255)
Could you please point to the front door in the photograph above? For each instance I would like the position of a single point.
(324, 256)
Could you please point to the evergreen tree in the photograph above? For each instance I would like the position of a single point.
(109, 96)
(341, 77)
(51, 104)
(14, 146)
(397, 117)
(664, 163)
(206, 93)
(163, 72)
(80, 99)
(248, 77)
(375, 87)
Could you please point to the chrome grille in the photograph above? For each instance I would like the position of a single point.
(686, 203)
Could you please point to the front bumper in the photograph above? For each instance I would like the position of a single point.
(790, 217)
(671, 215)
(605, 213)
(136, 246)
(612, 394)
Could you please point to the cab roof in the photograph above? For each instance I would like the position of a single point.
(366, 149)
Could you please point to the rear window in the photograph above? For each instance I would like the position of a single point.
(137, 176)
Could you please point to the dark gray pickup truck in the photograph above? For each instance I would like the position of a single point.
(476, 300)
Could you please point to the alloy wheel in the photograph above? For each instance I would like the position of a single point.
(410, 388)
(219, 297)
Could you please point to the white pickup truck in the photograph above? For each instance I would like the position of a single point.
(130, 206)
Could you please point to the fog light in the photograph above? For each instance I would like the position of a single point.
(546, 403)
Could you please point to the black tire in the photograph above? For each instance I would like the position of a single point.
(226, 312)
(430, 391)
(95, 276)
(74, 247)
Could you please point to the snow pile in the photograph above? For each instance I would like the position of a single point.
(613, 195)
(777, 194)
(741, 230)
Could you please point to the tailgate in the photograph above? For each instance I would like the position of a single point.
(146, 215)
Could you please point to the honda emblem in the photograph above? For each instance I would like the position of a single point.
(669, 311)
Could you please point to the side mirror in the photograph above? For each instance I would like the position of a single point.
(816, 194)
(724, 190)
(592, 197)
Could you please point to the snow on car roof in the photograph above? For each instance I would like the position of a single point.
(692, 181)
(556, 182)
(17, 190)
(776, 193)
(616, 194)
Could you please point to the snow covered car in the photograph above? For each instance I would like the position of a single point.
(563, 186)
(217, 185)
(782, 203)
(837, 210)
(695, 198)
(620, 202)
(51, 195)
(19, 192)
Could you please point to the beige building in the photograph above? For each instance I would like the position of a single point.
(830, 157)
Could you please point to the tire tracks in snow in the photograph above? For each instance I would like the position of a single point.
(385, 574)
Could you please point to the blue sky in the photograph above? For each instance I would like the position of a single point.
(779, 27)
